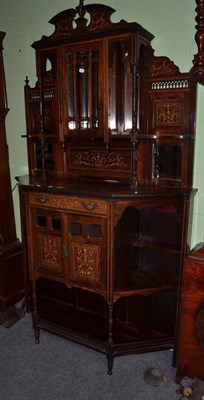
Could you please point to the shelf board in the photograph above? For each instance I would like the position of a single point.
(91, 329)
(145, 283)
(145, 243)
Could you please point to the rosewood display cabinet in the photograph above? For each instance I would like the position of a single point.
(106, 206)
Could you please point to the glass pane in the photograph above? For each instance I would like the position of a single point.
(120, 82)
(82, 78)
(49, 162)
(56, 223)
(94, 231)
(94, 78)
(75, 228)
(82, 88)
(70, 94)
(41, 221)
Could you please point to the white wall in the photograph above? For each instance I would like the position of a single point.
(25, 21)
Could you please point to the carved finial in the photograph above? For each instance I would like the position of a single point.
(80, 9)
(26, 81)
(81, 22)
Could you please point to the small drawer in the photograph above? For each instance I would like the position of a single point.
(73, 203)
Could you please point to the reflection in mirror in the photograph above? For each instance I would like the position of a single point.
(167, 161)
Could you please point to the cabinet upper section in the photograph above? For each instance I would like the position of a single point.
(105, 107)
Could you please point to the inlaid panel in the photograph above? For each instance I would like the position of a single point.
(50, 253)
(119, 160)
(168, 114)
(85, 261)
(82, 204)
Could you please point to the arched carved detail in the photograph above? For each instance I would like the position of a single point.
(66, 24)
(162, 66)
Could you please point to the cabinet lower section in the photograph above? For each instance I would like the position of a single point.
(105, 267)
(84, 318)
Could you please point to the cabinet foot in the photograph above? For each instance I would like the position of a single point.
(110, 366)
(37, 335)
(180, 373)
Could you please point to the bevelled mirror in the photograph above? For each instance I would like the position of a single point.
(167, 161)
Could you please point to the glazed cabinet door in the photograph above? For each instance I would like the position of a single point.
(47, 251)
(85, 69)
(83, 90)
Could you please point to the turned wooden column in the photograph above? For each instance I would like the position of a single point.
(198, 62)
(11, 272)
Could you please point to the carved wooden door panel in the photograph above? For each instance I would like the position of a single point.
(86, 238)
(46, 249)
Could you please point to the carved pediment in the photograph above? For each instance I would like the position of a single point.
(73, 22)
(161, 66)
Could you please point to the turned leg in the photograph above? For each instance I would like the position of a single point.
(109, 353)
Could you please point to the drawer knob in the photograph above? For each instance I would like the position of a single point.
(41, 199)
(89, 205)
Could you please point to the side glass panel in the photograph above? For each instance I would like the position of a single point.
(167, 160)
(49, 160)
(120, 86)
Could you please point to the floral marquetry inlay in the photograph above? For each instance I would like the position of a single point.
(50, 252)
(101, 159)
(70, 203)
(85, 261)
(163, 66)
(168, 114)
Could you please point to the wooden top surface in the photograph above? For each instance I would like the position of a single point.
(104, 189)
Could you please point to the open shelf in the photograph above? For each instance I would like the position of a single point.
(91, 329)
(146, 283)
